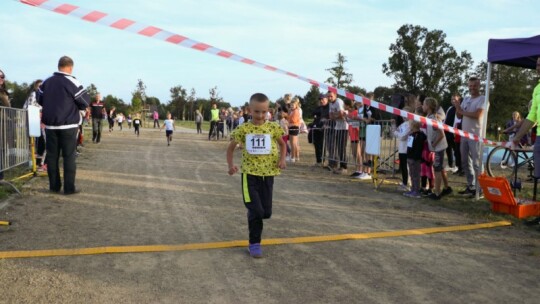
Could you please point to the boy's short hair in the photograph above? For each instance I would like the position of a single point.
(258, 97)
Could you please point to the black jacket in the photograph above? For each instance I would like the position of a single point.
(62, 97)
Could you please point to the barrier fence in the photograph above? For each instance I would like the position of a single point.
(338, 149)
(14, 139)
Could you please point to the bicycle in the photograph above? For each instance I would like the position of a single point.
(503, 161)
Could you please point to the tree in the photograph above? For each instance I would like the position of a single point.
(178, 100)
(18, 93)
(422, 62)
(311, 101)
(92, 91)
(340, 78)
(510, 90)
(112, 101)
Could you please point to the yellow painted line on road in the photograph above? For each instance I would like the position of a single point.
(244, 243)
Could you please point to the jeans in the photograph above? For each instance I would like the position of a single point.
(97, 126)
(65, 142)
(470, 159)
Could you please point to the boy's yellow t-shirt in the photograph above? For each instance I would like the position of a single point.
(253, 138)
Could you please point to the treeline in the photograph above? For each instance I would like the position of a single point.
(421, 62)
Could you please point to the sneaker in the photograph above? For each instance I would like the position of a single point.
(368, 163)
(446, 191)
(77, 190)
(425, 192)
(412, 194)
(43, 168)
(434, 196)
(356, 174)
(364, 176)
(287, 158)
(403, 187)
(342, 171)
(255, 250)
(468, 191)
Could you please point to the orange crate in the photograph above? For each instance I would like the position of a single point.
(497, 190)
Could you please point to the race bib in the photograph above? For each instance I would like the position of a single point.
(136, 122)
(258, 143)
(410, 141)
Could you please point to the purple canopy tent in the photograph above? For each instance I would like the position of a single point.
(519, 52)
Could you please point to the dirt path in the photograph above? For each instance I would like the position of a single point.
(138, 191)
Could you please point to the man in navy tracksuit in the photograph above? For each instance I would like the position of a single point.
(62, 98)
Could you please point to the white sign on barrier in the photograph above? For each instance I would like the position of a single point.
(34, 122)
(373, 139)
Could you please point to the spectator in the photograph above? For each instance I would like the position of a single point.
(156, 119)
(338, 140)
(402, 135)
(512, 126)
(198, 121)
(415, 147)
(214, 120)
(294, 120)
(437, 144)
(62, 97)
(4, 102)
(358, 117)
(453, 147)
(320, 119)
(471, 111)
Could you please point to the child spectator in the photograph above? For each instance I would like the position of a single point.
(357, 142)
(402, 135)
(437, 145)
(295, 119)
(284, 124)
(261, 161)
(169, 127)
(415, 146)
(426, 171)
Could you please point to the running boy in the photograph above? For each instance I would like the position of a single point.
(137, 124)
(169, 127)
(261, 161)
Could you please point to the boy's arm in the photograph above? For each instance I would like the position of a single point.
(230, 154)
(282, 164)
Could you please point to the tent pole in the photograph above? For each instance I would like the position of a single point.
(484, 128)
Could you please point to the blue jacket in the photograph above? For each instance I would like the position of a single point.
(62, 97)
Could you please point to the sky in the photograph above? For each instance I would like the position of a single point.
(299, 36)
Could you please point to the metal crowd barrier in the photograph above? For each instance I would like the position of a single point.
(338, 148)
(14, 139)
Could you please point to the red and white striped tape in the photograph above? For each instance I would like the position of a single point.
(160, 34)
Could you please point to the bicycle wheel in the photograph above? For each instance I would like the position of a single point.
(500, 162)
